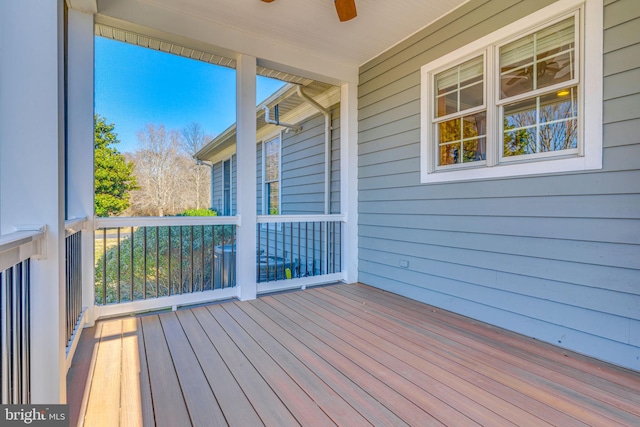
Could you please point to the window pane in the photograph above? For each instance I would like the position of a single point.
(460, 87)
(447, 104)
(559, 105)
(520, 114)
(554, 51)
(520, 142)
(272, 149)
(542, 124)
(475, 125)
(555, 54)
(516, 67)
(449, 154)
(474, 150)
(462, 140)
(272, 197)
(471, 96)
(559, 118)
(449, 131)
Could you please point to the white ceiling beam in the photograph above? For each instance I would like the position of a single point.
(87, 6)
(144, 17)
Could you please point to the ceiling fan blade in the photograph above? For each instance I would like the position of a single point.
(267, 1)
(346, 9)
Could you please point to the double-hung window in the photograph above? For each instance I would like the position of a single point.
(226, 187)
(514, 102)
(271, 161)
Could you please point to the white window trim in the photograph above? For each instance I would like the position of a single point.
(265, 203)
(224, 202)
(591, 41)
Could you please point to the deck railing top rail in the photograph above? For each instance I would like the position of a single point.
(20, 245)
(73, 225)
(152, 221)
(264, 219)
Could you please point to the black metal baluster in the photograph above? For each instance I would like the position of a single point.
(291, 267)
(144, 263)
(191, 230)
(181, 285)
(169, 260)
(118, 264)
(157, 261)
(133, 279)
(259, 253)
(267, 258)
(202, 258)
(104, 266)
(222, 256)
(213, 257)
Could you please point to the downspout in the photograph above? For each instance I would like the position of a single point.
(327, 167)
(327, 147)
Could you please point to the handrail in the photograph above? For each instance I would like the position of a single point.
(73, 225)
(272, 219)
(20, 245)
(152, 221)
(19, 238)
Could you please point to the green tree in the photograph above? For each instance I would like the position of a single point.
(114, 177)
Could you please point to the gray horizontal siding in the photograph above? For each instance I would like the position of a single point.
(555, 257)
(234, 185)
(217, 201)
(303, 167)
(217, 187)
(259, 200)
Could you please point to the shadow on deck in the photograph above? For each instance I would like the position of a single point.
(347, 355)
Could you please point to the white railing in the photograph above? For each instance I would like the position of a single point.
(148, 263)
(296, 251)
(74, 310)
(16, 251)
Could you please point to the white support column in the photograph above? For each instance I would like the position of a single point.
(80, 134)
(349, 178)
(247, 175)
(32, 171)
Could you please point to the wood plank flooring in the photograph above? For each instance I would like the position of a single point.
(347, 355)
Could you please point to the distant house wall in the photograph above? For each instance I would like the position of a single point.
(303, 167)
(553, 257)
(302, 174)
(217, 199)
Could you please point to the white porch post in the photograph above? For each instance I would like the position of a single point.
(80, 142)
(247, 175)
(349, 178)
(32, 171)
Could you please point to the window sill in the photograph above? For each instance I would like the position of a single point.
(573, 164)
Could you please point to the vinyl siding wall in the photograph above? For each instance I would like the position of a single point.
(302, 187)
(217, 200)
(552, 257)
(303, 167)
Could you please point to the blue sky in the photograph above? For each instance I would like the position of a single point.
(135, 86)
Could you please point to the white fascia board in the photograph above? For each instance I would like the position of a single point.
(216, 151)
(227, 41)
(301, 113)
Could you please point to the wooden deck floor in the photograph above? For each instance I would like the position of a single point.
(347, 355)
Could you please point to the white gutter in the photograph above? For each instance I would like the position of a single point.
(327, 147)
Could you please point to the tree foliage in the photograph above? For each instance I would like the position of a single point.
(170, 180)
(193, 139)
(114, 177)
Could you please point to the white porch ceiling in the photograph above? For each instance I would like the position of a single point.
(302, 37)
